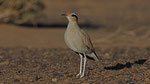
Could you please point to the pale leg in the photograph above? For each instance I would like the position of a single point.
(80, 66)
(83, 66)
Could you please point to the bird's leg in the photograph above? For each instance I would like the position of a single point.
(83, 66)
(80, 66)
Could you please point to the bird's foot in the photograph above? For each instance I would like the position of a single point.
(79, 74)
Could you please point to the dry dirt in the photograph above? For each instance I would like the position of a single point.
(22, 65)
(40, 56)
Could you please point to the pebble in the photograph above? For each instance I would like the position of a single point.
(54, 79)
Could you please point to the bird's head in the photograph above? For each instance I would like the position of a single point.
(71, 16)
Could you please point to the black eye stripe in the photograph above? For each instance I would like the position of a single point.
(75, 16)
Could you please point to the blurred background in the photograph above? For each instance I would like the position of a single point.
(38, 23)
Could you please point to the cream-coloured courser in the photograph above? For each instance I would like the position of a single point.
(79, 41)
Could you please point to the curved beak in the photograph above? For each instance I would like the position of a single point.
(63, 14)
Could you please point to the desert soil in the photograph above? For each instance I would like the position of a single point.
(22, 65)
(40, 56)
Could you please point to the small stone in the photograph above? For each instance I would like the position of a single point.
(107, 55)
(54, 80)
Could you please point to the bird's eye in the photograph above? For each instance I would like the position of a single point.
(74, 16)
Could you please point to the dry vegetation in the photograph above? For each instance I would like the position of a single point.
(20, 11)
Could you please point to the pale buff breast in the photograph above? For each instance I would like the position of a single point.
(74, 40)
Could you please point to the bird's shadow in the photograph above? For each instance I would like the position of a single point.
(127, 65)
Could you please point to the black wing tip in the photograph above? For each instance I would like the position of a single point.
(91, 58)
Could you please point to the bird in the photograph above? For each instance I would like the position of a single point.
(79, 41)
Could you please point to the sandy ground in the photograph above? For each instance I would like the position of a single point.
(23, 65)
(50, 37)
(31, 37)
(40, 56)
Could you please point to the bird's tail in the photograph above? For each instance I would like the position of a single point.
(93, 56)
